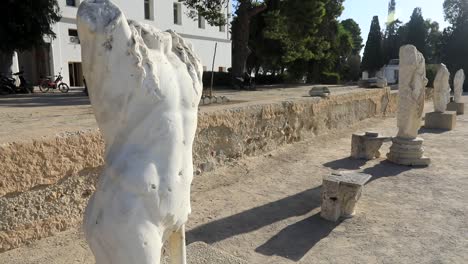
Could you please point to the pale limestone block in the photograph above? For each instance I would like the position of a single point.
(456, 107)
(367, 145)
(458, 82)
(441, 89)
(144, 86)
(340, 194)
(445, 121)
(411, 94)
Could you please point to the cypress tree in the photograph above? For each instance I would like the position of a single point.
(373, 55)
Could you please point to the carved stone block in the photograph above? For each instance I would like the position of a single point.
(446, 120)
(340, 194)
(367, 145)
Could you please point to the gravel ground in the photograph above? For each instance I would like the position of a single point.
(265, 209)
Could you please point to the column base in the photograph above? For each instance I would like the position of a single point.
(408, 152)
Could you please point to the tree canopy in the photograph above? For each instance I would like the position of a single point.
(373, 56)
(24, 25)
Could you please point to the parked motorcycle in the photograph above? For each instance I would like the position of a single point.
(51, 83)
(247, 82)
(8, 84)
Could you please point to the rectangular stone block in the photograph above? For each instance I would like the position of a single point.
(446, 120)
(457, 107)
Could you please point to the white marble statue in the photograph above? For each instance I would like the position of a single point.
(145, 86)
(458, 82)
(412, 87)
(441, 89)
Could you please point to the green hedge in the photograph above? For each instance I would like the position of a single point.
(220, 79)
(330, 78)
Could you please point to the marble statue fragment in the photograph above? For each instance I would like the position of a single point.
(441, 118)
(407, 146)
(441, 89)
(144, 86)
(411, 91)
(458, 82)
(457, 105)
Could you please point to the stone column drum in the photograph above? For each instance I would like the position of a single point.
(144, 86)
(457, 105)
(407, 146)
(440, 118)
(367, 145)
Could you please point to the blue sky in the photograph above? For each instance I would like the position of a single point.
(362, 12)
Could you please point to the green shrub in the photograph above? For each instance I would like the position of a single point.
(219, 79)
(330, 78)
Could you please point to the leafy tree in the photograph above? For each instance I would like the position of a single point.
(417, 31)
(24, 25)
(353, 28)
(373, 56)
(433, 42)
(246, 10)
(454, 40)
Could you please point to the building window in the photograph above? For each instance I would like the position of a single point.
(149, 15)
(177, 14)
(71, 3)
(201, 22)
(222, 28)
(73, 34)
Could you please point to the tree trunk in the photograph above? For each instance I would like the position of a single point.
(241, 35)
(6, 61)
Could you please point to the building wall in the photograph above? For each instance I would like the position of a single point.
(203, 40)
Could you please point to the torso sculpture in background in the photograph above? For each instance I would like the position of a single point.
(458, 82)
(412, 87)
(441, 89)
(145, 86)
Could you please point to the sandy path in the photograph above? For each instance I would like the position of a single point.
(266, 209)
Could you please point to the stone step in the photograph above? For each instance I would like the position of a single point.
(202, 253)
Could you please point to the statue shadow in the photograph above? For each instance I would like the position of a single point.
(424, 130)
(296, 240)
(346, 164)
(386, 169)
(256, 218)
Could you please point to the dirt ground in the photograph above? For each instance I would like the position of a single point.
(40, 115)
(266, 209)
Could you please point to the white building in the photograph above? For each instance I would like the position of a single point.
(64, 52)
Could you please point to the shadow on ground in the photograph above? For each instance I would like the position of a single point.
(39, 99)
(424, 130)
(296, 240)
(386, 169)
(345, 164)
(256, 218)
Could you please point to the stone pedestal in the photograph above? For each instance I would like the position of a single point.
(367, 145)
(456, 107)
(340, 194)
(408, 152)
(436, 120)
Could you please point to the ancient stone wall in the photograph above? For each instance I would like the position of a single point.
(45, 183)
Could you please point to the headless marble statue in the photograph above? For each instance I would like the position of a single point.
(411, 92)
(441, 89)
(145, 86)
(458, 82)
(407, 146)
